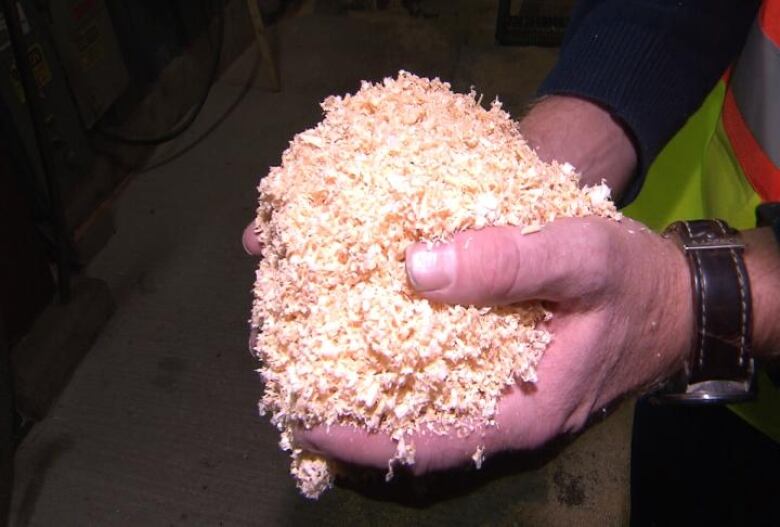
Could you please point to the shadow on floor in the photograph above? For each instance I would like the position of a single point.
(48, 455)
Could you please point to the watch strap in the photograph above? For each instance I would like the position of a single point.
(720, 368)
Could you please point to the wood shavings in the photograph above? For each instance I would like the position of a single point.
(342, 337)
(479, 457)
(530, 229)
(314, 470)
(404, 454)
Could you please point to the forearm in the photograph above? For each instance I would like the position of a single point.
(762, 258)
(650, 63)
(579, 132)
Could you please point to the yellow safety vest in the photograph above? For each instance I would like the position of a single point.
(724, 162)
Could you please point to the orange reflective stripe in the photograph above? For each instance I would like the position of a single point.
(769, 19)
(758, 168)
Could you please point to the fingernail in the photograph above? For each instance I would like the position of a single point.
(431, 269)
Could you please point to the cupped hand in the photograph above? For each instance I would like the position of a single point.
(622, 321)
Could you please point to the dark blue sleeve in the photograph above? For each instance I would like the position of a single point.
(651, 63)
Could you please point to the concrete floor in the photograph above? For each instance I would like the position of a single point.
(159, 425)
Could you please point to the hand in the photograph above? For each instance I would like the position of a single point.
(580, 132)
(623, 321)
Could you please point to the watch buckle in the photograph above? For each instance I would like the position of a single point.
(730, 242)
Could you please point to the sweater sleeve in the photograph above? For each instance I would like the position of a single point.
(651, 63)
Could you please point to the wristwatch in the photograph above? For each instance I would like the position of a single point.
(720, 369)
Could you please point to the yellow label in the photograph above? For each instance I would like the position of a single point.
(40, 68)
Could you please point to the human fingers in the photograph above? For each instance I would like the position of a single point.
(348, 444)
(432, 451)
(249, 240)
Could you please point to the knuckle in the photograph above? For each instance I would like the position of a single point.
(495, 266)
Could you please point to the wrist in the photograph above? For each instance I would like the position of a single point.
(580, 132)
(682, 296)
(676, 329)
(655, 287)
(762, 259)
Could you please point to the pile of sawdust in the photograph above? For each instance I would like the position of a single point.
(342, 337)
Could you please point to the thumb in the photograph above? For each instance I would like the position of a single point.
(500, 265)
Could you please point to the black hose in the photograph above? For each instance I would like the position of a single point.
(193, 114)
(213, 126)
